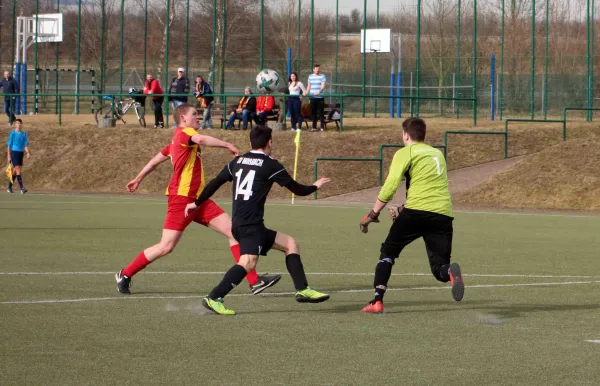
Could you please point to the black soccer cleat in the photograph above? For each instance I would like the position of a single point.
(264, 282)
(458, 285)
(123, 283)
(23, 191)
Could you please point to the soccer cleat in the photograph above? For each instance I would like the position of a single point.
(9, 190)
(23, 191)
(374, 307)
(264, 282)
(458, 285)
(217, 306)
(123, 283)
(309, 295)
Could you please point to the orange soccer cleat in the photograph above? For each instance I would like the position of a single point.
(374, 307)
(458, 285)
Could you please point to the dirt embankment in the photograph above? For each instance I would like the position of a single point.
(80, 157)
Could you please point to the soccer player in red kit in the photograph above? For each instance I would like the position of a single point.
(185, 187)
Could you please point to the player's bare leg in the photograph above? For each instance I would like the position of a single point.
(167, 243)
(291, 249)
(222, 225)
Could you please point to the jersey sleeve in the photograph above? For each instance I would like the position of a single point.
(214, 185)
(279, 174)
(26, 141)
(184, 138)
(10, 140)
(399, 166)
(166, 151)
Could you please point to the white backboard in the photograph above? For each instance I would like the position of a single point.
(51, 28)
(378, 40)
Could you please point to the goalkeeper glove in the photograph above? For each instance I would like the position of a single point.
(367, 219)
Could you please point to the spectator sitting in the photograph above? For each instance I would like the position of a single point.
(264, 108)
(245, 110)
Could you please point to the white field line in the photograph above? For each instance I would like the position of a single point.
(74, 273)
(84, 300)
(593, 341)
(155, 201)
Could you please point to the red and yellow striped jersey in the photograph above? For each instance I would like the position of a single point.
(188, 174)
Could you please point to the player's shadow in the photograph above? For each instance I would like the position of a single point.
(521, 310)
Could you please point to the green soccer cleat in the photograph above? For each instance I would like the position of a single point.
(217, 306)
(309, 295)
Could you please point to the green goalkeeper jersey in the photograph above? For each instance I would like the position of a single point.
(424, 169)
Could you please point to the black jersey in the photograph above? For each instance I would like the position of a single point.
(252, 176)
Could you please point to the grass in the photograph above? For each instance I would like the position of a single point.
(64, 323)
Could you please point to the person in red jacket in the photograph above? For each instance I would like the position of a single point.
(152, 87)
(264, 108)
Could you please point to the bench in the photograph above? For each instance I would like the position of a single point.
(306, 114)
(217, 113)
(273, 117)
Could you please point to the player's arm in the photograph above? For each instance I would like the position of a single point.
(9, 146)
(283, 178)
(323, 83)
(210, 189)
(399, 166)
(205, 140)
(308, 88)
(159, 158)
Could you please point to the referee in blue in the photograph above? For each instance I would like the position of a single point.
(17, 146)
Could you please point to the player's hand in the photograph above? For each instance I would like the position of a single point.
(234, 150)
(133, 185)
(28, 155)
(190, 208)
(367, 219)
(395, 211)
(321, 181)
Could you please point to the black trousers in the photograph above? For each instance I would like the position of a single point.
(436, 230)
(158, 112)
(317, 106)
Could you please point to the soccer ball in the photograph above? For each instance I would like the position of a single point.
(267, 81)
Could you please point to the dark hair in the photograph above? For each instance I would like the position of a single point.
(405, 123)
(260, 136)
(290, 78)
(316, 65)
(416, 129)
(19, 120)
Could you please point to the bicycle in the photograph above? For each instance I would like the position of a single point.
(122, 107)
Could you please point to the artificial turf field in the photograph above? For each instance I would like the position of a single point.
(532, 301)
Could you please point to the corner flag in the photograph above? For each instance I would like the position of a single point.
(297, 142)
(9, 173)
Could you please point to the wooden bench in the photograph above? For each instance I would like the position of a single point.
(306, 114)
(218, 112)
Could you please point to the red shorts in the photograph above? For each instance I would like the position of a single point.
(176, 219)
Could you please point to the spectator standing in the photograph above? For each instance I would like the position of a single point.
(316, 87)
(18, 144)
(203, 92)
(245, 110)
(296, 90)
(264, 108)
(179, 85)
(152, 87)
(9, 86)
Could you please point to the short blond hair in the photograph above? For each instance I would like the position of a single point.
(181, 110)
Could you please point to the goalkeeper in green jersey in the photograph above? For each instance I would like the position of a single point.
(427, 212)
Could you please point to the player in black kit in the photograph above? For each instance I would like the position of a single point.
(252, 175)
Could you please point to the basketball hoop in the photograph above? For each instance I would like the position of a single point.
(378, 40)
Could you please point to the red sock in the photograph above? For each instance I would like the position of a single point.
(252, 277)
(136, 265)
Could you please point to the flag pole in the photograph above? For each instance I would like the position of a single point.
(297, 142)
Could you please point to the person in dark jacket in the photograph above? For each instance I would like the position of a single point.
(202, 92)
(9, 86)
(179, 85)
(245, 110)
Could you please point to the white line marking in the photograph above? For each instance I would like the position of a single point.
(146, 199)
(133, 297)
(593, 341)
(74, 273)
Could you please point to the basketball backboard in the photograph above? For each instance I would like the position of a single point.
(50, 28)
(378, 40)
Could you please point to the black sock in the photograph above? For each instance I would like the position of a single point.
(383, 271)
(296, 270)
(442, 273)
(20, 180)
(232, 278)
